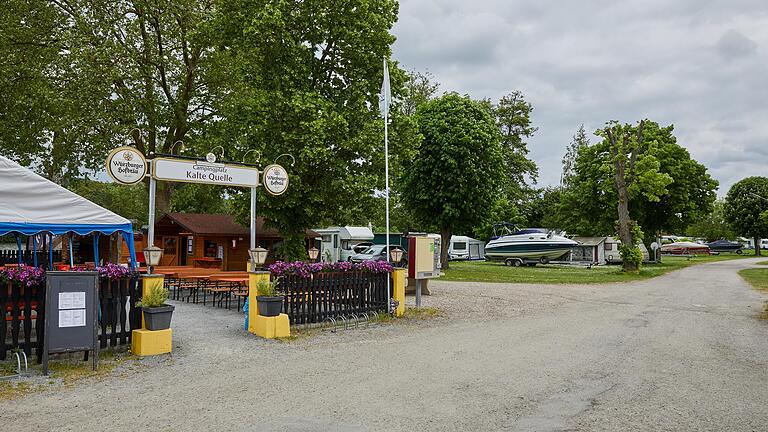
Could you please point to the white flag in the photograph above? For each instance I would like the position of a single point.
(385, 98)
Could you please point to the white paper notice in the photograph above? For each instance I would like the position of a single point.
(78, 300)
(78, 318)
(72, 300)
(72, 318)
(65, 300)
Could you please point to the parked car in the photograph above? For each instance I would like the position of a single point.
(725, 246)
(361, 247)
(377, 253)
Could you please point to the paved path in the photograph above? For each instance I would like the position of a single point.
(685, 351)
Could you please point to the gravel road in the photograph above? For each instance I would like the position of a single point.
(685, 351)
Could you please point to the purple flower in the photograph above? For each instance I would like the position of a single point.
(113, 271)
(304, 270)
(24, 275)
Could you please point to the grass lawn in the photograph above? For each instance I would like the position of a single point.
(481, 271)
(757, 277)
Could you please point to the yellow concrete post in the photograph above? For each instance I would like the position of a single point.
(147, 342)
(266, 327)
(148, 283)
(253, 291)
(398, 290)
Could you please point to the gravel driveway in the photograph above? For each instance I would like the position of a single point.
(684, 351)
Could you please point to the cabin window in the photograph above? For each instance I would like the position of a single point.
(460, 246)
(346, 245)
(608, 246)
(211, 249)
(169, 245)
(327, 238)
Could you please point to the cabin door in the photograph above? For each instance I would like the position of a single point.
(170, 251)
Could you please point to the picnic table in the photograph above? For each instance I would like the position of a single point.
(222, 285)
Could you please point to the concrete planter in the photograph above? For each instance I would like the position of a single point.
(270, 306)
(158, 318)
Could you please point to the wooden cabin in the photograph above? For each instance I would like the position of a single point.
(211, 240)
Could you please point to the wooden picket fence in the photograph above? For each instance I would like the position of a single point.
(332, 294)
(22, 323)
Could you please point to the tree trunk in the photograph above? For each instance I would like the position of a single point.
(757, 246)
(163, 197)
(625, 232)
(445, 242)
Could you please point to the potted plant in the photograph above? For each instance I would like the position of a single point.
(157, 314)
(269, 301)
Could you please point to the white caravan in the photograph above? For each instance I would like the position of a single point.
(339, 243)
(466, 248)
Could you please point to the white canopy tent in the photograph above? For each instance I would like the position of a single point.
(31, 205)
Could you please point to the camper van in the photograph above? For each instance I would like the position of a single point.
(612, 254)
(340, 243)
(466, 248)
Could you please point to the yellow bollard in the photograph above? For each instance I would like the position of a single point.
(266, 327)
(253, 291)
(398, 290)
(146, 342)
(148, 283)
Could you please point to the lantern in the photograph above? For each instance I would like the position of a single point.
(396, 254)
(313, 252)
(258, 256)
(152, 256)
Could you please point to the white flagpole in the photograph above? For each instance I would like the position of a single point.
(386, 182)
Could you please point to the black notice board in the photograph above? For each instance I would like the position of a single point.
(71, 314)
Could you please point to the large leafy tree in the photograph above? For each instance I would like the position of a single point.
(687, 199)
(307, 77)
(513, 118)
(541, 209)
(129, 202)
(614, 178)
(117, 71)
(713, 226)
(745, 206)
(578, 142)
(48, 101)
(588, 200)
(456, 176)
(634, 168)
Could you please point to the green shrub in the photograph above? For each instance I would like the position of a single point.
(267, 288)
(154, 298)
(631, 254)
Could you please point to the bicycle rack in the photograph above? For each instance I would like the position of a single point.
(19, 371)
(331, 321)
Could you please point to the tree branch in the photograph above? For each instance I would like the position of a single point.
(638, 148)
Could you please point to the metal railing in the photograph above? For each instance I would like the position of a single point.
(333, 294)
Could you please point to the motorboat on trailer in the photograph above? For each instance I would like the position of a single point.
(517, 246)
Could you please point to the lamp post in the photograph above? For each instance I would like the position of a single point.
(313, 252)
(258, 256)
(152, 255)
(396, 254)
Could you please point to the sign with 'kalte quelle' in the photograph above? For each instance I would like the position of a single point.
(192, 171)
(126, 165)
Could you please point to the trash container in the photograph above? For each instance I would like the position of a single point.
(245, 309)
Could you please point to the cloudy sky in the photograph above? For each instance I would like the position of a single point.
(701, 65)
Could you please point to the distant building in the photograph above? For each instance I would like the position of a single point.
(212, 240)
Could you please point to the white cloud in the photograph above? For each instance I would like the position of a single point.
(699, 64)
